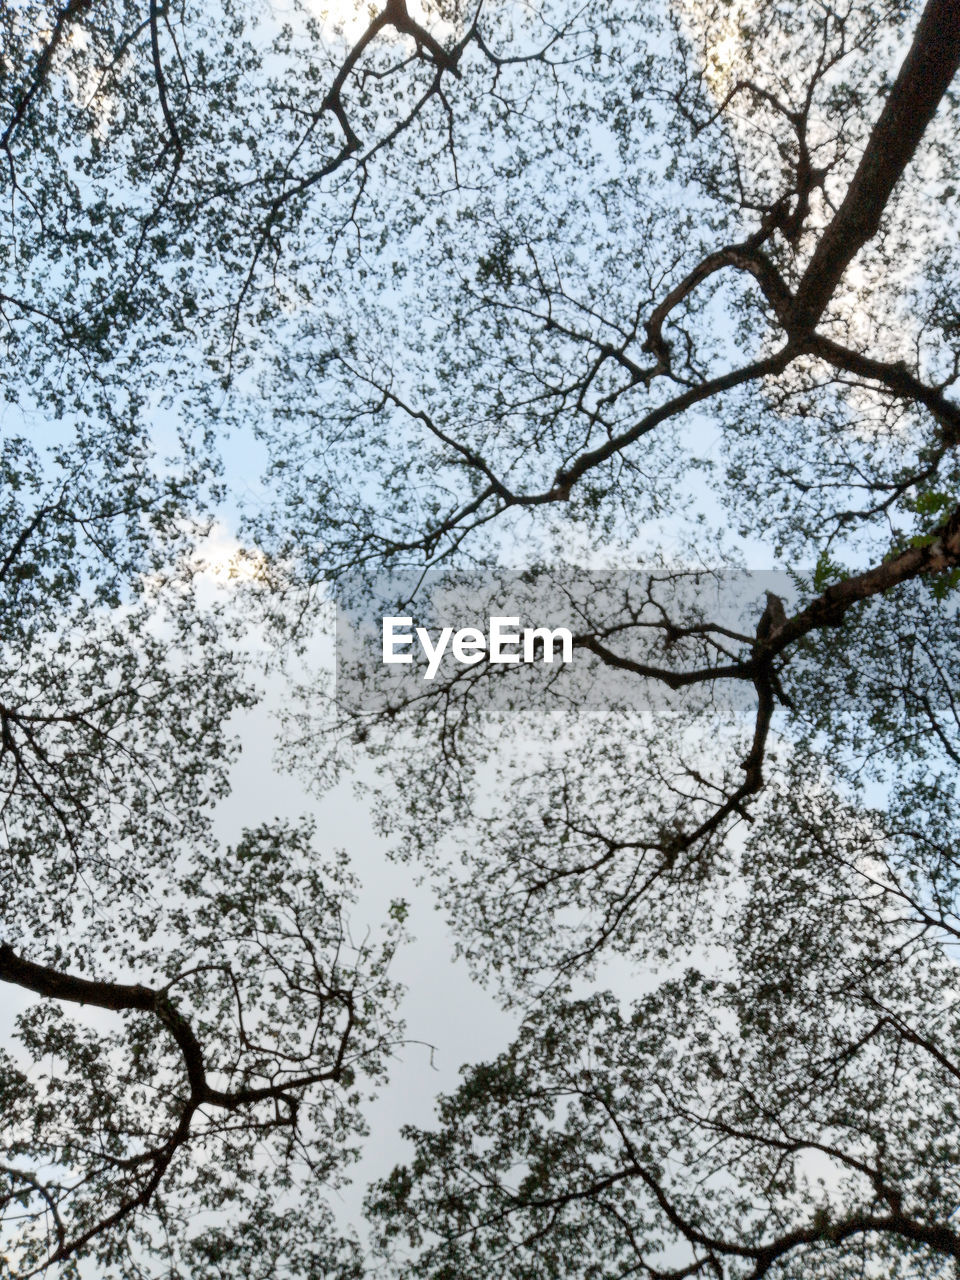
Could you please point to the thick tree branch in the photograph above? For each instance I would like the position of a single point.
(55, 984)
(896, 378)
(924, 77)
(938, 555)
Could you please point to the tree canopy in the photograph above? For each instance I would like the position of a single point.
(610, 301)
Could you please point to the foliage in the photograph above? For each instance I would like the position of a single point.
(655, 288)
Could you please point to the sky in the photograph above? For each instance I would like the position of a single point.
(449, 1019)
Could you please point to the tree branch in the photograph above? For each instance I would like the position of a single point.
(924, 77)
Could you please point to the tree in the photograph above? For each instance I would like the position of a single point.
(784, 879)
(230, 1020)
(489, 283)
